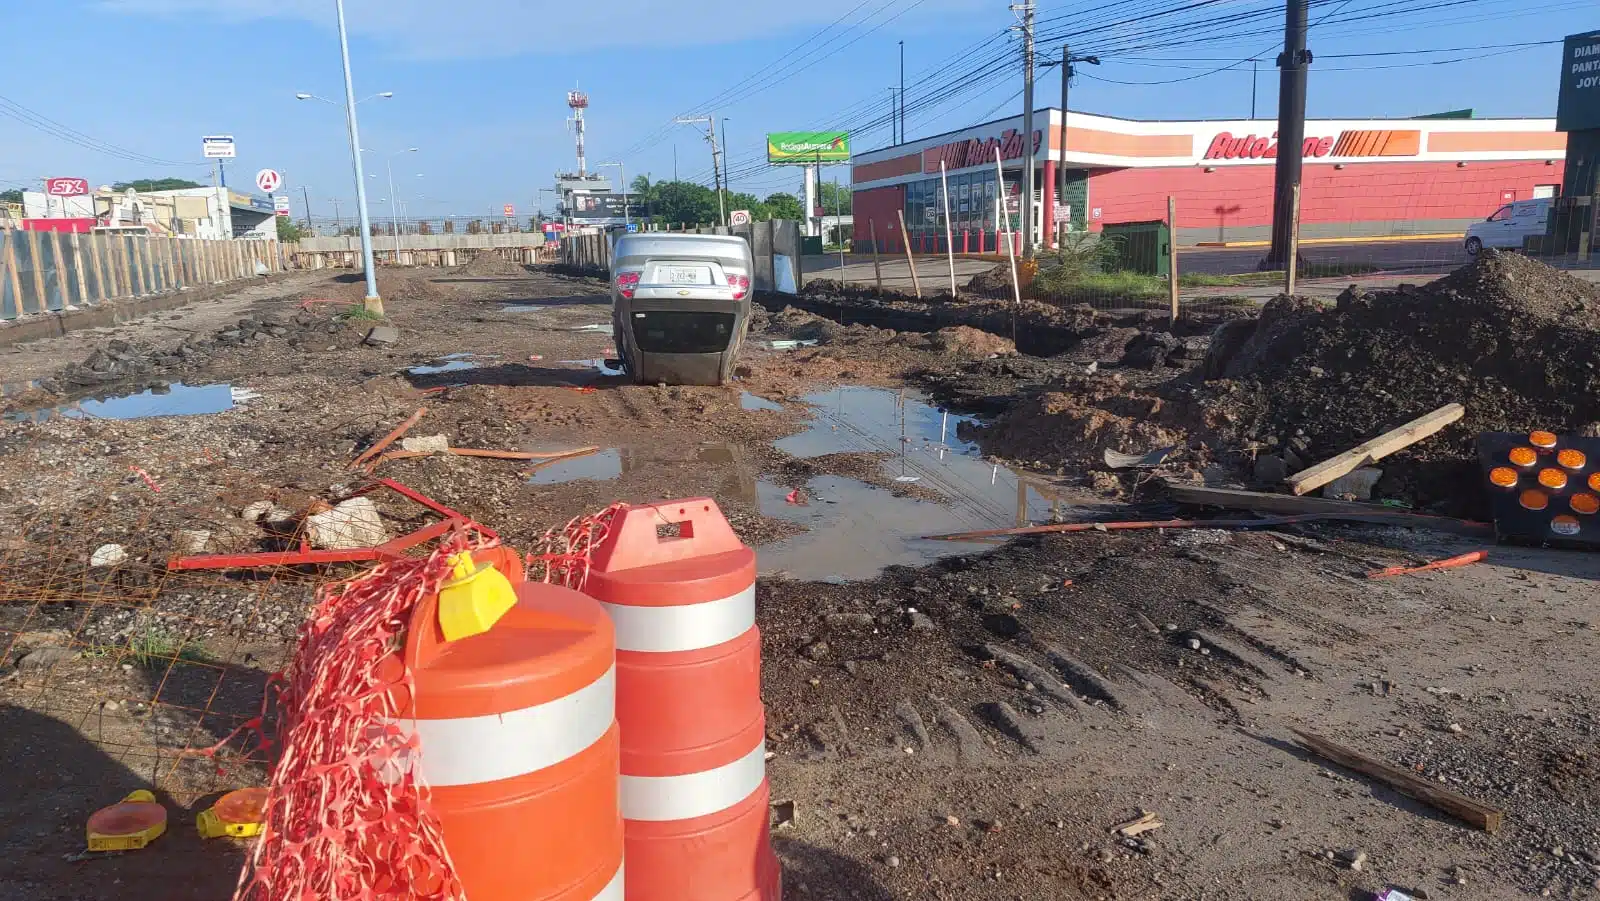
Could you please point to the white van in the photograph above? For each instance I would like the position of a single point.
(1509, 225)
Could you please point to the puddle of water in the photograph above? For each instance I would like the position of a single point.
(925, 451)
(748, 401)
(597, 365)
(855, 530)
(597, 467)
(449, 366)
(175, 400)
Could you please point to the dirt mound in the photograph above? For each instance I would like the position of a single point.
(1516, 342)
(965, 341)
(489, 263)
(994, 280)
(1078, 419)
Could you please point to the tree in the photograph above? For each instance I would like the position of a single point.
(146, 185)
(14, 196)
(682, 201)
(831, 195)
(287, 230)
(783, 206)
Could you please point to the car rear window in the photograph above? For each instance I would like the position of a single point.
(678, 332)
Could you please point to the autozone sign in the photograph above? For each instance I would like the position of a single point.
(1349, 143)
(977, 152)
(66, 187)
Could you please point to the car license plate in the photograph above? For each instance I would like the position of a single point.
(684, 275)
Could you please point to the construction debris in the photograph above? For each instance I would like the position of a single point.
(426, 444)
(1459, 806)
(1372, 451)
(353, 523)
(1466, 559)
(390, 438)
(1146, 822)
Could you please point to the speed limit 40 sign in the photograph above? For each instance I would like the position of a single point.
(739, 217)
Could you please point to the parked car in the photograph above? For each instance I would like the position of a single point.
(1509, 225)
(680, 306)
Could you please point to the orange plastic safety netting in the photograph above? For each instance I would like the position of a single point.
(343, 820)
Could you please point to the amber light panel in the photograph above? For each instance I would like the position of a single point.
(1542, 439)
(1594, 481)
(1503, 476)
(1572, 458)
(1585, 504)
(1554, 479)
(1534, 500)
(1523, 456)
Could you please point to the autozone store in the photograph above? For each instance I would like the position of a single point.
(1361, 177)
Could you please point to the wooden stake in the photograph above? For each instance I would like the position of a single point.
(390, 438)
(1291, 269)
(905, 238)
(877, 267)
(1172, 254)
(97, 261)
(75, 242)
(9, 236)
(949, 233)
(1003, 214)
(40, 301)
(1405, 782)
(1382, 446)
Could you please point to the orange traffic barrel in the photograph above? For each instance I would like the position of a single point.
(518, 742)
(694, 773)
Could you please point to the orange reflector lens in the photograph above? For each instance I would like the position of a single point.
(1572, 458)
(1565, 525)
(1504, 476)
(1523, 456)
(1533, 499)
(1585, 504)
(1553, 479)
(1542, 439)
(1594, 481)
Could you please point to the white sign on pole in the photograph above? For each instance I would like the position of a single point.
(218, 147)
(280, 204)
(269, 180)
(739, 217)
(1063, 213)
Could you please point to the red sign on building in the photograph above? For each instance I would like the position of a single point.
(961, 154)
(66, 187)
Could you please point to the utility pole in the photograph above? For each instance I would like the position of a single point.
(305, 194)
(716, 158)
(1026, 207)
(373, 303)
(1254, 68)
(902, 91)
(1292, 65)
(894, 117)
(1067, 71)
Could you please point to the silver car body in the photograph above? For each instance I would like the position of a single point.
(687, 315)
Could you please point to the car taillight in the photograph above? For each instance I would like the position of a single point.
(740, 285)
(626, 282)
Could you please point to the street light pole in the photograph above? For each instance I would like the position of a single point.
(373, 302)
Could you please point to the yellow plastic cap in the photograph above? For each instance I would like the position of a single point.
(474, 599)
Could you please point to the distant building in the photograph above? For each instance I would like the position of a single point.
(196, 212)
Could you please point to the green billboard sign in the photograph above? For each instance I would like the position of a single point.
(1578, 107)
(808, 147)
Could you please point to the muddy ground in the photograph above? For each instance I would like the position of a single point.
(967, 723)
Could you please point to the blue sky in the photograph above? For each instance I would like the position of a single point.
(480, 85)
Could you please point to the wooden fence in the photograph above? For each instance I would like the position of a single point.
(44, 272)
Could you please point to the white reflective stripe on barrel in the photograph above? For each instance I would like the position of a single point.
(474, 749)
(686, 627)
(613, 889)
(666, 798)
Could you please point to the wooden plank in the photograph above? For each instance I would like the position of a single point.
(1172, 254)
(40, 301)
(1407, 783)
(9, 237)
(1290, 505)
(59, 258)
(1382, 446)
(96, 260)
(905, 238)
(82, 280)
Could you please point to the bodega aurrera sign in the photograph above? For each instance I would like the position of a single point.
(1579, 106)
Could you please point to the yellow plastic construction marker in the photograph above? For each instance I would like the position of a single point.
(127, 826)
(237, 814)
(474, 599)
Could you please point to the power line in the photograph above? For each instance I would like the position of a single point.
(16, 111)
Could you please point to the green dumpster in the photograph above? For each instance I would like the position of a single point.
(811, 246)
(1142, 247)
